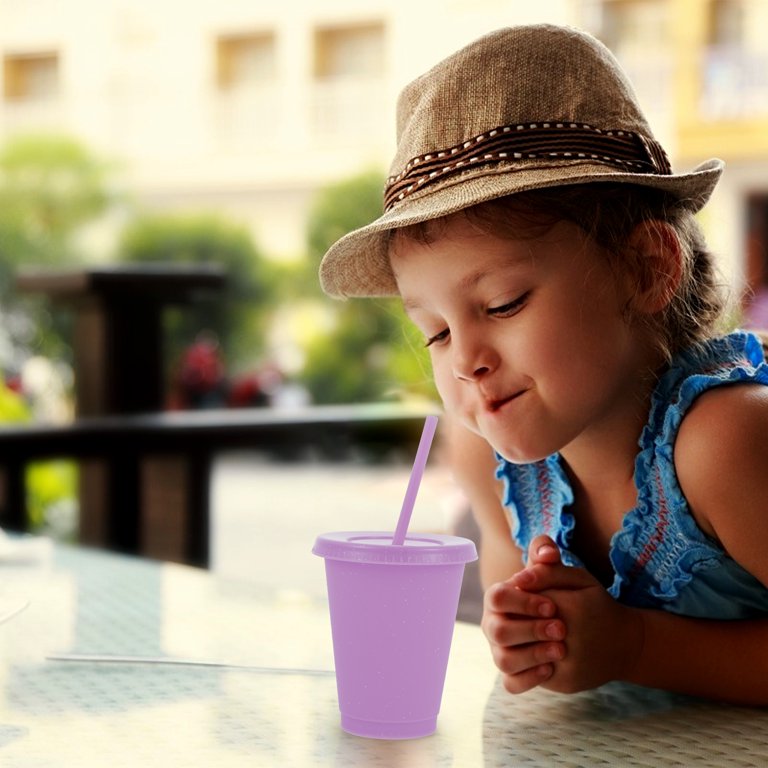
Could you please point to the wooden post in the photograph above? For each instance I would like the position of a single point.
(118, 360)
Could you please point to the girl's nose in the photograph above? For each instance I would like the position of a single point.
(473, 358)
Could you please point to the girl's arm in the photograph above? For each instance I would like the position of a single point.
(723, 660)
(721, 460)
(522, 629)
(473, 464)
(606, 640)
(721, 457)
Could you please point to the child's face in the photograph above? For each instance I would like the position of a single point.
(528, 338)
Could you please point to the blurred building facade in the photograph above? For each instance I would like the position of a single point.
(241, 106)
(248, 107)
(701, 70)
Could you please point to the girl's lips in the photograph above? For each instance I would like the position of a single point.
(495, 405)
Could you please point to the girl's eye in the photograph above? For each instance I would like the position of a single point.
(437, 338)
(503, 310)
(509, 309)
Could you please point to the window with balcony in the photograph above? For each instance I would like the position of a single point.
(629, 25)
(349, 67)
(725, 23)
(638, 33)
(30, 77)
(355, 52)
(243, 60)
(248, 102)
(734, 65)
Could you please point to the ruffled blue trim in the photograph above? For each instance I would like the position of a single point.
(539, 495)
(660, 547)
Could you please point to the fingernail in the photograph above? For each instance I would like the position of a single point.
(544, 671)
(554, 652)
(546, 550)
(546, 610)
(554, 630)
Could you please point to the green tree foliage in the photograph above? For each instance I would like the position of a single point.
(371, 354)
(48, 483)
(337, 210)
(50, 188)
(237, 315)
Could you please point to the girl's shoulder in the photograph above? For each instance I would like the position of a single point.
(723, 426)
(725, 420)
(720, 456)
(717, 388)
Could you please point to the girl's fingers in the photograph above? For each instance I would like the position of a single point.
(505, 597)
(543, 549)
(540, 577)
(508, 632)
(521, 659)
(529, 679)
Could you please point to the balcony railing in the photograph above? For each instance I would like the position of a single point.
(33, 115)
(247, 117)
(650, 71)
(734, 84)
(350, 112)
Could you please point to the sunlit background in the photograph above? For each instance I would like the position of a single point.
(254, 134)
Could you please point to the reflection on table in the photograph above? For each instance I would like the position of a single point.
(85, 713)
(66, 713)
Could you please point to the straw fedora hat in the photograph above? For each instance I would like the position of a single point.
(519, 109)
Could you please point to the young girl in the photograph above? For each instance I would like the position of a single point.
(539, 239)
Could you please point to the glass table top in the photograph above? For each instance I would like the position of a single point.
(261, 691)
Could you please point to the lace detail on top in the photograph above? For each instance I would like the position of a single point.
(659, 548)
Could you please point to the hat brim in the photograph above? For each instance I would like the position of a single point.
(358, 264)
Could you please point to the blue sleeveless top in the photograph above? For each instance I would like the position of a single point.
(660, 557)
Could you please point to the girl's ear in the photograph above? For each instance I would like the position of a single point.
(657, 265)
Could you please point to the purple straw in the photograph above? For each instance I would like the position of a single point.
(430, 425)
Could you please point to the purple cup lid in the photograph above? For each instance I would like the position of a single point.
(377, 547)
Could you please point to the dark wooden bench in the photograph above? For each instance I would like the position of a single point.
(154, 491)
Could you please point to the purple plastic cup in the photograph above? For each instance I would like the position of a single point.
(393, 608)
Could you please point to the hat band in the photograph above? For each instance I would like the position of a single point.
(530, 141)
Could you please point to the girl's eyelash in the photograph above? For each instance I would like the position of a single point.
(437, 337)
(504, 310)
(510, 307)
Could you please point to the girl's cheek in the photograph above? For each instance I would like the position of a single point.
(446, 387)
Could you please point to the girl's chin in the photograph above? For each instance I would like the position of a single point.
(517, 454)
(514, 454)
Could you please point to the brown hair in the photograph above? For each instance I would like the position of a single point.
(608, 213)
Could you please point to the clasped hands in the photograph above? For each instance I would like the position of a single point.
(556, 626)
